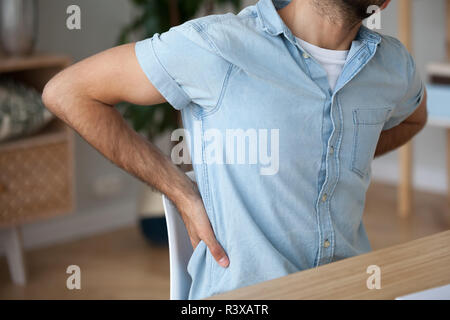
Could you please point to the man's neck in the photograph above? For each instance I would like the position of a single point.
(309, 24)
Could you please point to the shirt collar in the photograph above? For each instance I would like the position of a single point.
(270, 19)
(274, 25)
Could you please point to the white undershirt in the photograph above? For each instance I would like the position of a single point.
(331, 60)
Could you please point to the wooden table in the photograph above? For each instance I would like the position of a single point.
(407, 268)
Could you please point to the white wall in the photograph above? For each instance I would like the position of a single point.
(101, 22)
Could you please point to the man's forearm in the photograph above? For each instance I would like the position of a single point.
(103, 127)
(397, 136)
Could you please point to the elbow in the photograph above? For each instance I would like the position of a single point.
(420, 117)
(51, 94)
(424, 122)
(424, 118)
(55, 95)
(420, 125)
(424, 112)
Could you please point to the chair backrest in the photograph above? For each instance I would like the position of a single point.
(180, 250)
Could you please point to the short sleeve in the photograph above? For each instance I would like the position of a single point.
(183, 65)
(412, 99)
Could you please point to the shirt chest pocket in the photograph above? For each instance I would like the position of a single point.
(367, 126)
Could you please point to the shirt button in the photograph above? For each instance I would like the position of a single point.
(331, 150)
(324, 197)
(326, 244)
(305, 55)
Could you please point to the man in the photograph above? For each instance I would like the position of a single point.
(302, 78)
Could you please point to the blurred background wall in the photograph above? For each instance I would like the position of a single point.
(429, 146)
(106, 196)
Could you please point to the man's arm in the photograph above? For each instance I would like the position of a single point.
(84, 96)
(399, 135)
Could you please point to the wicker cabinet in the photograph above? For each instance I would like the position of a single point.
(36, 172)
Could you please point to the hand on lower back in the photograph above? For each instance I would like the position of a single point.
(199, 228)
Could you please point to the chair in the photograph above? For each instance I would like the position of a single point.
(180, 249)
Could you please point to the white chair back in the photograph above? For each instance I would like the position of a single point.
(180, 250)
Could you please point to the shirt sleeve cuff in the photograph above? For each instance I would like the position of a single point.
(396, 121)
(158, 76)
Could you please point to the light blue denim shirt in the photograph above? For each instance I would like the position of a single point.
(247, 72)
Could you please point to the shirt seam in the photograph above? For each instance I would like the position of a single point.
(203, 114)
(209, 205)
(202, 30)
(204, 35)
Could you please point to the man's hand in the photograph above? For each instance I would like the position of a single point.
(199, 228)
(84, 95)
(399, 135)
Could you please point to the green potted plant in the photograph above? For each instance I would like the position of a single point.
(157, 16)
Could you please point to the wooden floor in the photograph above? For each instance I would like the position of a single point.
(122, 265)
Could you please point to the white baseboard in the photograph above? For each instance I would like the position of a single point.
(79, 224)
